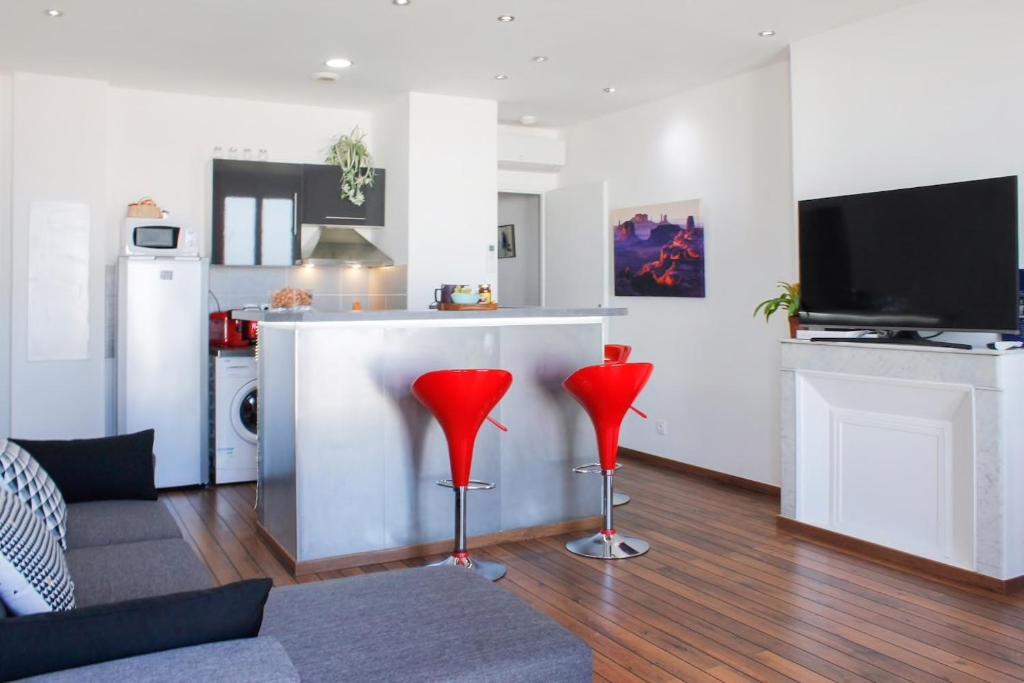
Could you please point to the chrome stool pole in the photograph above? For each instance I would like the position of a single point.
(460, 553)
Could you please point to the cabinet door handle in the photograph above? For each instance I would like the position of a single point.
(345, 218)
(295, 213)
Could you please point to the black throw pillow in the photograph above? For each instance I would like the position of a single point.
(54, 641)
(110, 468)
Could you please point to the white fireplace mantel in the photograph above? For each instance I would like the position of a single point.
(915, 448)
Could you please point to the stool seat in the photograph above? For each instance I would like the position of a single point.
(607, 393)
(461, 400)
(617, 353)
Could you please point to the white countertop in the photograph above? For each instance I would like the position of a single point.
(510, 314)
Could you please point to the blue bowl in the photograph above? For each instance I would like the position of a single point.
(473, 298)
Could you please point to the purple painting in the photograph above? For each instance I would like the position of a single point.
(659, 250)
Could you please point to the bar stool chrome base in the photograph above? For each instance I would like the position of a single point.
(620, 499)
(489, 570)
(612, 546)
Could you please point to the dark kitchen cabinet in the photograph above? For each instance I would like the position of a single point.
(256, 208)
(322, 203)
(259, 208)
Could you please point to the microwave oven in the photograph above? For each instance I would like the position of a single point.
(157, 237)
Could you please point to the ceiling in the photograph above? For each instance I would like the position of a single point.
(268, 49)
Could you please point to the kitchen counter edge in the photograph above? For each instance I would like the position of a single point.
(370, 316)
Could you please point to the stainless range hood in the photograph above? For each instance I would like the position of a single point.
(340, 246)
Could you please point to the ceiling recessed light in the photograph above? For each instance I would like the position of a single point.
(609, 90)
(400, 3)
(338, 63)
(500, 77)
(527, 119)
(767, 33)
(53, 13)
(326, 76)
(506, 18)
(540, 59)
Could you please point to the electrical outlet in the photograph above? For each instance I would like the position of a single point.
(661, 427)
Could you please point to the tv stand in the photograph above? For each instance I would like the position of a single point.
(901, 337)
(909, 448)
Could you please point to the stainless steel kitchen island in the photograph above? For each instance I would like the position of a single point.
(349, 460)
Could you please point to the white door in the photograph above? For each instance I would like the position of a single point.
(576, 239)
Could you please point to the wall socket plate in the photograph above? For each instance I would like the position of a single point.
(661, 427)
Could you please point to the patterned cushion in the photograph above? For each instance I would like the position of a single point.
(24, 477)
(34, 575)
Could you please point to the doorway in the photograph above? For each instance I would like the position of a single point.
(519, 249)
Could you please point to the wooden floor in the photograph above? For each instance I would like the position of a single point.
(722, 595)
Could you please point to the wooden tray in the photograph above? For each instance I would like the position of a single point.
(467, 307)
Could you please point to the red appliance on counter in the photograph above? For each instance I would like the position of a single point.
(250, 331)
(227, 332)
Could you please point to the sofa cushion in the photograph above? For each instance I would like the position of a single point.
(110, 468)
(23, 476)
(45, 643)
(34, 573)
(428, 624)
(106, 522)
(251, 660)
(126, 571)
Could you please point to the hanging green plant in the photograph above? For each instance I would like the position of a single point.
(350, 154)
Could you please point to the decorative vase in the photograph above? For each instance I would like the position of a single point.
(794, 325)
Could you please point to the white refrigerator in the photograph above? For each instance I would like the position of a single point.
(162, 371)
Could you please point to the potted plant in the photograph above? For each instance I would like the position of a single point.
(349, 153)
(789, 301)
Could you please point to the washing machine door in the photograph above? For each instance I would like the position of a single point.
(243, 411)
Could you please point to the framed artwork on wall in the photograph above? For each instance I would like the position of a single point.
(506, 241)
(659, 250)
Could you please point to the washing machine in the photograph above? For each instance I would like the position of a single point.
(234, 418)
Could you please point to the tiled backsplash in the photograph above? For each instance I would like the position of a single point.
(334, 288)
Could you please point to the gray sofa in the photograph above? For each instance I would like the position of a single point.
(417, 625)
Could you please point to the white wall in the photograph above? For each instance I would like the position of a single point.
(5, 254)
(59, 153)
(519, 277)
(931, 93)
(452, 193)
(161, 144)
(716, 367)
(391, 152)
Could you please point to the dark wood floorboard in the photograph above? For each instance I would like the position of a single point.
(722, 595)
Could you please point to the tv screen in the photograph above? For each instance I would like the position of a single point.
(942, 257)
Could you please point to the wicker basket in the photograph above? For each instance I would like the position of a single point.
(145, 208)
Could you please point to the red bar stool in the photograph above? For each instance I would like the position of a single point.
(607, 393)
(618, 353)
(461, 400)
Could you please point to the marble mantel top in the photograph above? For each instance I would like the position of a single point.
(981, 351)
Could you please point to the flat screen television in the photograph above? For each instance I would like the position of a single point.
(938, 258)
